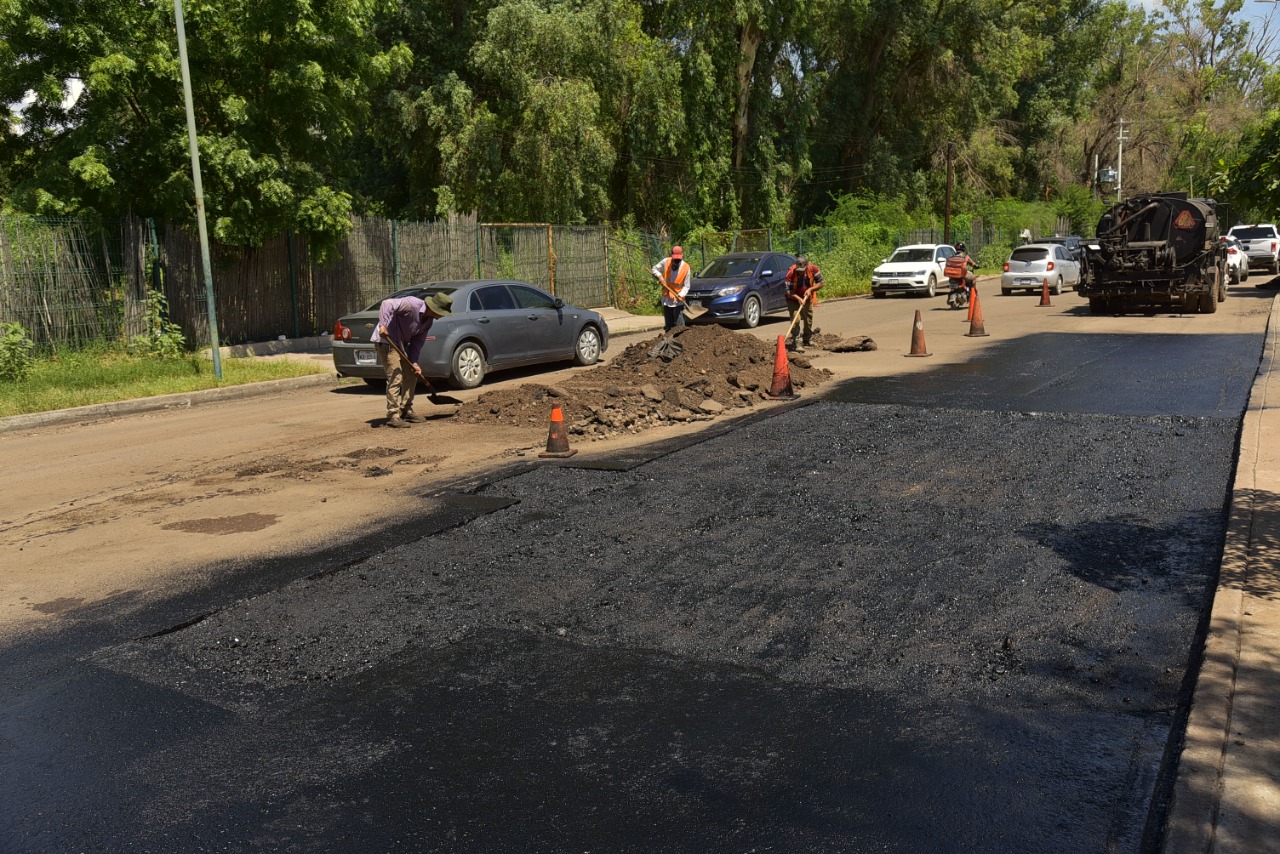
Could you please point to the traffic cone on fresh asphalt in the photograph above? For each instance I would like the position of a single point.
(557, 439)
(973, 300)
(781, 388)
(1044, 294)
(976, 327)
(917, 337)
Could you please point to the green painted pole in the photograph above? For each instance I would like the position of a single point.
(195, 175)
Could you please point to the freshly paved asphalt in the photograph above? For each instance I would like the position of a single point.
(949, 613)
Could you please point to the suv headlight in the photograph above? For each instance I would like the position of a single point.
(730, 290)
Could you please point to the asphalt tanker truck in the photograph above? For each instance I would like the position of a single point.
(1156, 249)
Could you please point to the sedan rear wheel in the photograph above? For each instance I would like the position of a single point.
(751, 312)
(587, 350)
(1057, 287)
(468, 365)
(933, 286)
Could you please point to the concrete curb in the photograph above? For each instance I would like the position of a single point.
(1197, 808)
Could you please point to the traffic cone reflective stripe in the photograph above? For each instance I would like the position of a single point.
(917, 337)
(976, 327)
(557, 439)
(1044, 294)
(781, 388)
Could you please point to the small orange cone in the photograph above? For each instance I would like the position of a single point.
(976, 327)
(973, 300)
(781, 388)
(917, 337)
(1044, 294)
(557, 440)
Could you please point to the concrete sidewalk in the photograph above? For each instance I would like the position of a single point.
(1227, 794)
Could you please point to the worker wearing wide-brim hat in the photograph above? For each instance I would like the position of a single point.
(406, 321)
(674, 277)
(803, 281)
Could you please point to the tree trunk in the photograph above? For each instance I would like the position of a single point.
(750, 36)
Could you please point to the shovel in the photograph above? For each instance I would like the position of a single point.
(796, 317)
(432, 395)
(690, 311)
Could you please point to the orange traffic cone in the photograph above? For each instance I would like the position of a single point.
(917, 337)
(781, 388)
(557, 440)
(973, 299)
(976, 327)
(1044, 294)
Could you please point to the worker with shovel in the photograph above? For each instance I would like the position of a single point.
(803, 282)
(403, 324)
(674, 275)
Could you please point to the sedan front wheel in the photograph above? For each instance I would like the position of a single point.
(467, 365)
(587, 350)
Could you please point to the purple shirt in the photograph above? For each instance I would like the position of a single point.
(403, 317)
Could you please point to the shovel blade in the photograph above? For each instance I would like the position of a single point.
(693, 312)
(443, 399)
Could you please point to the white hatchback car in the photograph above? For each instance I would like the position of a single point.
(915, 269)
(1237, 259)
(1030, 266)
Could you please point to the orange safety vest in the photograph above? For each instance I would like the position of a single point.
(802, 280)
(682, 273)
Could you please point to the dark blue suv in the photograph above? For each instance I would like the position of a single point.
(742, 287)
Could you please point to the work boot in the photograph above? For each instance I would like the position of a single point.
(791, 343)
(396, 421)
(413, 417)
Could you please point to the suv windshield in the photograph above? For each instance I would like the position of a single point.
(913, 255)
(724, 268)
(1257, 232)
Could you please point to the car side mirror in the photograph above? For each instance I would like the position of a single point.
(558, 304)
(767, 273)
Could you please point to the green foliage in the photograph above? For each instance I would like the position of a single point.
(162, 339)
(17, 352)
(279, 88)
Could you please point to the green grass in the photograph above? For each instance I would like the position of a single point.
(106, 376)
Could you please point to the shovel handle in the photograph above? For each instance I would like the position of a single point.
(796, 317)
(417, 371)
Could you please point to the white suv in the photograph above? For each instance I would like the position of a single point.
(1261, 243)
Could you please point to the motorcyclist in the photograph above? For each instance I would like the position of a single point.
(969, 265)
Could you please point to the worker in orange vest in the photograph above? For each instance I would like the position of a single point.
(802, 279)
(674, 275)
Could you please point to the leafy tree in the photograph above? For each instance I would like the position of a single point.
(278, 89)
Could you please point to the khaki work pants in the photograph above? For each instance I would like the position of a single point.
(402, 382)
(805, 327)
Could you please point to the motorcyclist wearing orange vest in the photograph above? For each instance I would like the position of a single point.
(674, 274)
(962, 261)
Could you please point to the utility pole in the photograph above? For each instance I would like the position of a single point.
(1191, 178)
(946, 220)
(1120, 165)
(195, 174)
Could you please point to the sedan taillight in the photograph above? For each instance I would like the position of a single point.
(1050, 267)
(340, 332)
(1006, 266)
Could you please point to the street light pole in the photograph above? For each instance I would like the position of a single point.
(195, 174)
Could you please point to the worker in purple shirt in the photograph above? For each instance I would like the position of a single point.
(406, 321)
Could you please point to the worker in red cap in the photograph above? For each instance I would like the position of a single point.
(674, 275)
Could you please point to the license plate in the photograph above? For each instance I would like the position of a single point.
(891, 281)
(366, 357)
(695, 303)
(1028, 281)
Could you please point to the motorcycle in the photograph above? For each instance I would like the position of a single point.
(958, 296)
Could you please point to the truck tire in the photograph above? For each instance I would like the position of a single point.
(1209, 298)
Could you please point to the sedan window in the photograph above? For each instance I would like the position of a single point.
(492, 298)
(529, 298)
